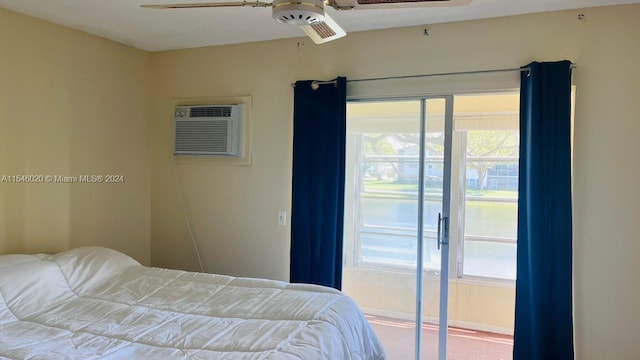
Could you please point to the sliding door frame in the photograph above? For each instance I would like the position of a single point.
(443, 318)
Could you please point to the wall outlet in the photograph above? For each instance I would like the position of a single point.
(282, 218)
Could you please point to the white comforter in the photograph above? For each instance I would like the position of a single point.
(94, 303)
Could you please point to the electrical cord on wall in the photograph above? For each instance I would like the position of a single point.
(186, 216)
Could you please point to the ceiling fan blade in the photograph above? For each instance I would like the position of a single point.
(382, 4)
(324, 31)
(210, 5)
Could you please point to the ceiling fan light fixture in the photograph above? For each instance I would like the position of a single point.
(298, 12)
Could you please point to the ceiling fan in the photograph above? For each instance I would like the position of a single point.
(310, 15)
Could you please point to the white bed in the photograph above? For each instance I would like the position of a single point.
(96, 303)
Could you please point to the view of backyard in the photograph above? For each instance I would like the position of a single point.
(389, 216)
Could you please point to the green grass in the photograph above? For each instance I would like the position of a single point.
(493, 193)
(390, 185)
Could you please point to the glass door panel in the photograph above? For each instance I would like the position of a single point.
(485, 160)
(392, 262)
(381, 217)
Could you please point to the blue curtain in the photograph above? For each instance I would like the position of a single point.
(543, 317)
(317, 210)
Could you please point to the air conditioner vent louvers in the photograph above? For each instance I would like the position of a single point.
(210, 111)
(208, 131)
(203, 137)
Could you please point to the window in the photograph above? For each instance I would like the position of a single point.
(382, 184)
(489, 201)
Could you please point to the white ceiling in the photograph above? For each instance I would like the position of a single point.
(155, 30)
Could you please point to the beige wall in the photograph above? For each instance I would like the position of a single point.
(72, 104)
(233, 208)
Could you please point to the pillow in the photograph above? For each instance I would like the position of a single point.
(31, 286)
(35, 283)
(88, 268)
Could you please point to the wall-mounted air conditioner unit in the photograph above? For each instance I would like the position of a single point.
(208, 130)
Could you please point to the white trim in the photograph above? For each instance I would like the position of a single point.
(481, 327)
(434, 87)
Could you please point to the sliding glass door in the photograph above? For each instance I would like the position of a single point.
(430, 222)
(396, 241)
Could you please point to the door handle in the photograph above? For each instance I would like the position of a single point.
(438, 236)
(442, 219)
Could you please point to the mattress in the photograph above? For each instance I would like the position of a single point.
(96, 303)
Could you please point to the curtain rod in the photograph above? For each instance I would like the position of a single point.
(316, 84)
